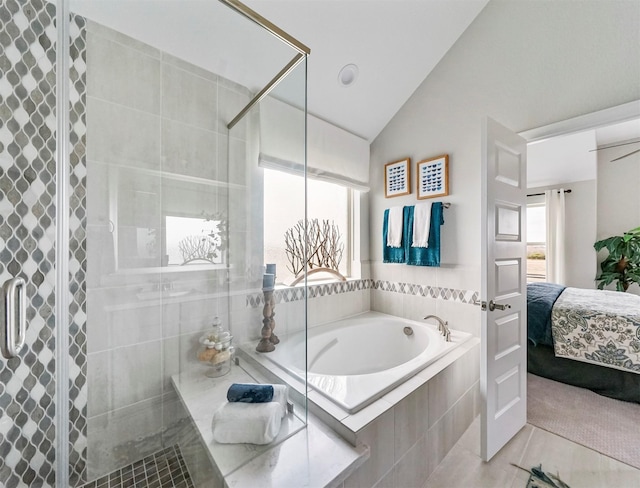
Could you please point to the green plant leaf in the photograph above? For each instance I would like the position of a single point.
(626, 246)
(609, 243)
(633, 276)
(609, 265)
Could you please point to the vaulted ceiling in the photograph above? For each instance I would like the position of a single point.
(394, 44)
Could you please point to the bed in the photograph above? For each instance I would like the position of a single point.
(585, 338)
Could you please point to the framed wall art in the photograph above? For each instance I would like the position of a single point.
(433, 177)
(397, 178)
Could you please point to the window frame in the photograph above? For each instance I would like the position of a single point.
(536, 202)
(351, 234)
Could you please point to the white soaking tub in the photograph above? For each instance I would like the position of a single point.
(355, 361)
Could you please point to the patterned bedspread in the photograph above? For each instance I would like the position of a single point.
(596, 326)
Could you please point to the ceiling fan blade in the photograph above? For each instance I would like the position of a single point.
(613, 145)
(628, 154)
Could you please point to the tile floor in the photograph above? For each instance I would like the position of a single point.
(576, 465)
(164, 469)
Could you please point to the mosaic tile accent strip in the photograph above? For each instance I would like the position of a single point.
(27, 239)
(461, 296)
(78, 254)
(164, 469)
(285, 295)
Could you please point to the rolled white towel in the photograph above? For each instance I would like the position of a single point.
(394, 226)
(281, 397)
(247, 423)
(421, 225)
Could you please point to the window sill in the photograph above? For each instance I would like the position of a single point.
(320, 281)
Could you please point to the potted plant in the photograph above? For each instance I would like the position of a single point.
(622, 265)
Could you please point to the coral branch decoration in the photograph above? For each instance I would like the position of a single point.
(208, 246)
(199, 248)
(323, 245)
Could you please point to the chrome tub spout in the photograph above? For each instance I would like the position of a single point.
(443, 327)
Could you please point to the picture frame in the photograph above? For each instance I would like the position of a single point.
(397, 178)
(433, 177)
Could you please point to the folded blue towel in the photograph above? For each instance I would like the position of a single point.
(393, 254)
(423, 256)
(248, 393)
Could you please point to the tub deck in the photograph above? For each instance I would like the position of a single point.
(300, 456)
(353, 392)
(345, 423)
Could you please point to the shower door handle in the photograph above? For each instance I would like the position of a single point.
(15, 317)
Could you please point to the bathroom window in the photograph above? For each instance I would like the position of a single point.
(536, 242)
(284, 207)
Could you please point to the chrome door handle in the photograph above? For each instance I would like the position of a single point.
(482, 304)
(496, 306)
(15, 317)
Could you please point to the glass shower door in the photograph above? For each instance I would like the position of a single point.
(113, 307)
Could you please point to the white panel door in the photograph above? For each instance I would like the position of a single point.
(503, 378)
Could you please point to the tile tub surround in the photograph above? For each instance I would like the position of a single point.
(328, 302)
(310, 456)
(27, 233)
(427, 416)
(417, 421)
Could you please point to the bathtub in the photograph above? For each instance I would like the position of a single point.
(355, 361)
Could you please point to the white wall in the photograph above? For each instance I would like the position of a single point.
(618, 195)
(526, 64)
(618, 191)
(580, 232)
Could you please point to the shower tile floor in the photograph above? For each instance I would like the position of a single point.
(164, 469)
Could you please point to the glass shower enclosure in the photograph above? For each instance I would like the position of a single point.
(131, 224)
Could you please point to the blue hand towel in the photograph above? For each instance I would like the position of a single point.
(423, 256)
(247, 393)
(393, 254)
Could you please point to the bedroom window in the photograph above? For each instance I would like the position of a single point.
(283, 197)
(536, 242)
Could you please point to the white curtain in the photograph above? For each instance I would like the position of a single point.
(554, 200)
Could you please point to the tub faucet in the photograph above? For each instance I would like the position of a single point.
(442, 327)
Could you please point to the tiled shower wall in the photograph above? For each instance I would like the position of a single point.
(157, 145)
(27, 240)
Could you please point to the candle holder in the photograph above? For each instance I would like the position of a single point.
(273, 338)
(269, 339)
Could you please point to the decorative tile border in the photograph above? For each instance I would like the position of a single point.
(27, 231)
(285, 295)
(294, 294)
(461, 296)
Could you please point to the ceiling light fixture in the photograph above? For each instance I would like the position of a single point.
(348, 75)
